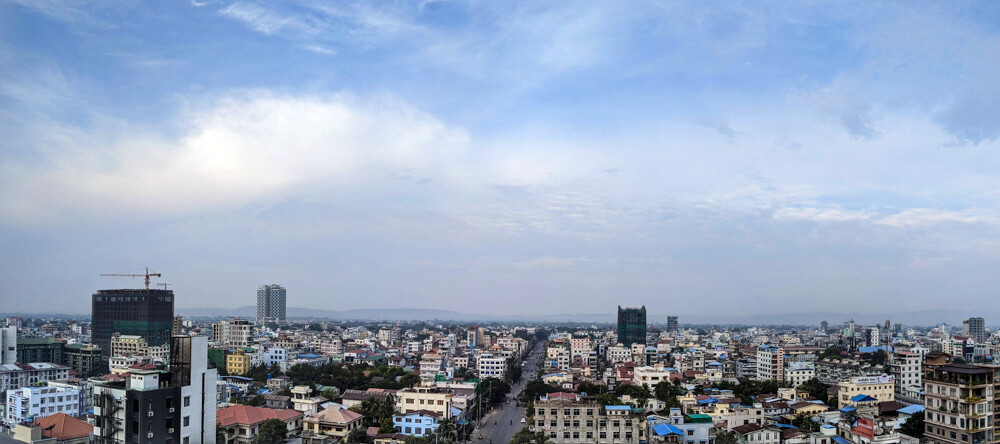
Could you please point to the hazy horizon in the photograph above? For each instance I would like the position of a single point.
(503, 158)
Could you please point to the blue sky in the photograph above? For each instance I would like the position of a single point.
(502, 157)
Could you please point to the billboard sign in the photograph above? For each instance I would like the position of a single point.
(865, 427)
(880, 379)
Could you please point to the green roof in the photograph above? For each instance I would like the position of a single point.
(699, 418)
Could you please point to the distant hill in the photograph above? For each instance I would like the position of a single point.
(917, 318)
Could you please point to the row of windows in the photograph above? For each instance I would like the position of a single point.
(590, 435)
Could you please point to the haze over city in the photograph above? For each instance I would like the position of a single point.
(503, 158)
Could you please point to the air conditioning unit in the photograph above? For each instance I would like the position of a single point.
(171, 410)
(149, 435)
(149, 414)
(170, 430)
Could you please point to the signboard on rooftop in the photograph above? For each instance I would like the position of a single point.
(880, 379)
(864, 427)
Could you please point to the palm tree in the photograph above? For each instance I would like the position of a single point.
(445, 427)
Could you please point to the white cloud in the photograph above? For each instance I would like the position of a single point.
(237, 150)
(918, 217)
(268, 21)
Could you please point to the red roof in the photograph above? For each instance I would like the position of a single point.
(64, 427)
(562, 395)
(249, 415)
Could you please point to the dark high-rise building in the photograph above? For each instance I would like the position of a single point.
(631, 325)
(270, 303)
(825, 326)
(671, 323)
(143, 312)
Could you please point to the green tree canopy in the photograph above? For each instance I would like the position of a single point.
(272, 431)
(914, 426)
(726, 437)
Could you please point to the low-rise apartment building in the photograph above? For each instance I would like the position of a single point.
(38, 402)
(567, 418)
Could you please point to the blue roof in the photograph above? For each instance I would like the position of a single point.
(552, 374)
(617, 407)
(840, 440)
(862, 398)
(708, 401)
(848, 409)
(242, 378)
(827, 426)
(784, 426)
(666, 429)
(911, 409)
(308, 356)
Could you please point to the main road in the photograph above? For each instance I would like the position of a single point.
(500, 425)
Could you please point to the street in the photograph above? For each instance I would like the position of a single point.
(500, 425)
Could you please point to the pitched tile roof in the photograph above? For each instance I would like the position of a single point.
(64, 427)
(336, 415)
(249, 415)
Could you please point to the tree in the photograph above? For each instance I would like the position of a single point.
(524, 436)
(358, 435)
(914, 426)
(591, 389)
(608, 399)
(494, 390)
(331, 393)
(272, 431)
(445, 428)
(879, 357)
(220, 434)
(536, 388)
(386, 426)
(817, 390)
(805, 422)
(726, 437)
(409, 380)
(638, 393)
(831, 352)
(665, 390)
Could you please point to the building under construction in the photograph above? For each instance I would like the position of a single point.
(144, 312)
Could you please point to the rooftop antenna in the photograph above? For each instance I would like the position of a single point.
(147, 275)
(164, 285)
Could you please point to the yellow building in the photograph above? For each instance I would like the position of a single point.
(237, 363)
(882, 388)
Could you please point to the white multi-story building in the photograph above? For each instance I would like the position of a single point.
(619, 354)
(233, 332)
(8, 345)
(431, 364)
(414, 347)
(30, 403)
(332, 347)
(770, 363)
(906, 367)
(798, 372)
(13, 376)
(491, 366)
(276, 355)
(650, 376)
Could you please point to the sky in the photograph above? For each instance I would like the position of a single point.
(503, 157)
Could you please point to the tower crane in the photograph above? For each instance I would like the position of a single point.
(147, 275)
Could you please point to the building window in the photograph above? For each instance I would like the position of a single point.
(187, 401)
(187, 421)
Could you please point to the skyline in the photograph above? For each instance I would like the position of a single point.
(494, 158)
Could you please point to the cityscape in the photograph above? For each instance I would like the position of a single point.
(135, 371)
(499, 222)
